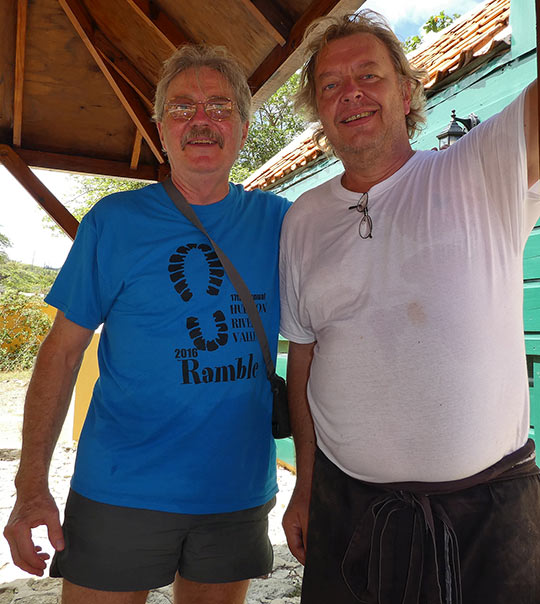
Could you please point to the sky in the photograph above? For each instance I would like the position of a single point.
(21, 217)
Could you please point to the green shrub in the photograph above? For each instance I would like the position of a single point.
(23, 325)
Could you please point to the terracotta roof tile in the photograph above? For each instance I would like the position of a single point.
(477, 35)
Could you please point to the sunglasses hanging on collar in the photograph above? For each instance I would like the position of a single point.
(365, 227)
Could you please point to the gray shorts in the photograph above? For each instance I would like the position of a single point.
(115, 548)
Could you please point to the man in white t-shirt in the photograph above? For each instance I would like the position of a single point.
(401, 284)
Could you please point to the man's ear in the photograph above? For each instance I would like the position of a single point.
(158, 124)
(245, 129)
(406, 94)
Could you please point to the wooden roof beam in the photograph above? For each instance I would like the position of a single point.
(80, 20)
(280, 53)
(267, 15)
(125, 68)
(136, 153)
(87, 165)
(163, 25)
(20, 49)
(56, 210)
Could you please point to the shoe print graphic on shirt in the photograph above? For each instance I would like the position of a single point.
(177, 263)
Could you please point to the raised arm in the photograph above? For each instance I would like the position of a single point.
(531, 132)
(47, 402)
(295, 519)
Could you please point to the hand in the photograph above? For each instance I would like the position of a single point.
(295, 523)
(28, 513)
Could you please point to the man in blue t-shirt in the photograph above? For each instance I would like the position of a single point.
(176, 469)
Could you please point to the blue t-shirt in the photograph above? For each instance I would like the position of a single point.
(180, 417)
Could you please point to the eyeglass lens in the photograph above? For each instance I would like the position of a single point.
(216, 109)
(365, 227)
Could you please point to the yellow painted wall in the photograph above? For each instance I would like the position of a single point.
(88, 374)
(86, 379)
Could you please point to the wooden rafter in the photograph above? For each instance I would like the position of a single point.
(87, 165)
(264, 20)
(162, 24)
(136, 153)
(80, 20)
(280, 53)
(20, 49)
(20, 170)
(124, 67)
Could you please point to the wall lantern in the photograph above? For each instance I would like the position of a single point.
(454, 131)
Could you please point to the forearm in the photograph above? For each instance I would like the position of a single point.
(298, 368)
(295, 519)
(47, 402)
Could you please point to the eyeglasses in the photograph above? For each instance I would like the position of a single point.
(217, 109)
(365, 227)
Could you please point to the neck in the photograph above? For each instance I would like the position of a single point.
(364, 170)
(201, 189)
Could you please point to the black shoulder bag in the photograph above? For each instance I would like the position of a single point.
(281, 427)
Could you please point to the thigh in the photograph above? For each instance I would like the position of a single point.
(337, 507)
(117, 549)
(498, 530)
(75, 594)
(190, 592)
(226, 548)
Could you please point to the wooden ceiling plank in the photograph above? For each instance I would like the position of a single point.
(264, 21)
(56, 210)
(86, 165)
(20, 50)
(136, 153)
(124, 67)
(318, 8)
(164, 26)
(129, 100)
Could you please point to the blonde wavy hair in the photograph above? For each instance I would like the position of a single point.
(325, 30)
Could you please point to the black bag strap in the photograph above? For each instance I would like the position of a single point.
(242, 289)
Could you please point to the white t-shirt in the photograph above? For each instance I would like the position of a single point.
(419, 366)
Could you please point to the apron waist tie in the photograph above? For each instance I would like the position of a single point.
(368, 568)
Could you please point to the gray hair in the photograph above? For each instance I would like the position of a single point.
(326, 29)
(195, 56)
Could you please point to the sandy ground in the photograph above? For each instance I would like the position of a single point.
(16, 586)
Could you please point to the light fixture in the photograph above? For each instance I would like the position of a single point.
(453, 132)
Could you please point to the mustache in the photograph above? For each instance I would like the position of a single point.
(198, 132)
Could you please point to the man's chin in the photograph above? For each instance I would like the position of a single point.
(354, 148)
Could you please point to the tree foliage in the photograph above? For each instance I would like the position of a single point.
(23, 325)
(4, 243)
(20, 277)
(434, 24)
(271, 129)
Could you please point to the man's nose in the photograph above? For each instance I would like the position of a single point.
(200, 114)
(351, 91)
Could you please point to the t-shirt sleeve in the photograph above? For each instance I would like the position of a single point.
(80, 291)
(490, 165)
(291, 325)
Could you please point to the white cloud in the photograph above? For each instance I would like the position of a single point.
(418, 12)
